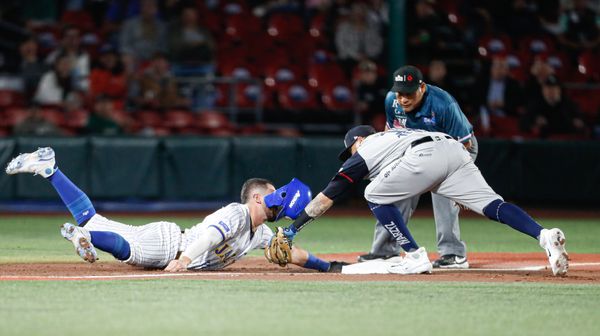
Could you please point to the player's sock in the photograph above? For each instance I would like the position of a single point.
(513, 216)
(76, 200)
(316, 264)
(112, 243)
(391, 219)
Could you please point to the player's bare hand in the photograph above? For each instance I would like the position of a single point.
(178, 265)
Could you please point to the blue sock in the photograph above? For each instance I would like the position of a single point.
(513, 216)
(316, 264)
(112, 243)
(76, 200)
(391, 218)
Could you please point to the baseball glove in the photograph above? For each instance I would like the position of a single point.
(279, 250)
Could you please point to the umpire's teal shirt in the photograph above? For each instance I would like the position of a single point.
(438, 112)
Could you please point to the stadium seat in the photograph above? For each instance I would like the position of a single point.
(79, 19)
(504, 127)
(588, 65)
(149, 118)
(297, 96)
(214, 123)
(325, 74)
(537, 44)
(179, 120)
(12, 116)
(338, 97)
(283, 26)
(53, 115)
(281, 74)
(11, 98)
(492, 45)
(249, 95)
(239, 27)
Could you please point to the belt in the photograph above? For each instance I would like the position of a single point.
(424, 140)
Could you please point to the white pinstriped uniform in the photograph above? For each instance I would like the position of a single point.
(156, 244)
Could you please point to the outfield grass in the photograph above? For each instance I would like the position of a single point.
(178, 307)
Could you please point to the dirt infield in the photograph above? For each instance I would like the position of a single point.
(485, 267)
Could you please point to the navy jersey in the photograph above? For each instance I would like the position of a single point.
(438, 112)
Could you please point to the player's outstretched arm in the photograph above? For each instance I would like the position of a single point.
(207, 241)
(314, 209)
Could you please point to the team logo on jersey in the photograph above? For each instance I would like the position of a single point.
(429, 121)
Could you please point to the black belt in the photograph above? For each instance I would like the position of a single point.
(424, 140)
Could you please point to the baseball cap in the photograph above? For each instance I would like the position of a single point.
(351, 136)
(407, 79)
(552, 81)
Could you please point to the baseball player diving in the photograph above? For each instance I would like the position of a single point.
(404, 163)
(414, 104)
(222, 238)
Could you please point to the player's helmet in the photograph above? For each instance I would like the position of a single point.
(290, 199)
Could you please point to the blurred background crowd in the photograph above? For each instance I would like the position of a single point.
(518, 68)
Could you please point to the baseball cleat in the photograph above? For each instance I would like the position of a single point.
(451, 261)
(40, 162)
(372, 256)
(82, 241)
(416, 262)
(553, 241)
(336, 266)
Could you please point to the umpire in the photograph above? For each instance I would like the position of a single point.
(412, 103)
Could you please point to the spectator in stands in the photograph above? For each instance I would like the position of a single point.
(108, 77)
(438, 75)
(428, 30)
(549, 12)
(157, 89)
(57, 84)
(144, 35)
(35, 124)
(582, 30)
(79, 59)
(554, 114)
(539, 72)
(356, 38)
(497, 94)
(522, 20)
(103, 120)
(191, 46)
(371, 90)
(32, 67)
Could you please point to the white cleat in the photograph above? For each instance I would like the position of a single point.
(553, 241)
(82, 241)
(416, 262)
(40, 162)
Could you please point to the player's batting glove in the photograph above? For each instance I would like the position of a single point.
(279, 250)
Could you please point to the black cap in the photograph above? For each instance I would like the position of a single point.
(407, 79)
(351, 136)
(552, 81)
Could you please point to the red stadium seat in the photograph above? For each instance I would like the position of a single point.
(338, 97)
(55, 116)
(179, 119)
(249, 95)
(325, 74)
(283, 26)
(241, 27)
(10, 98)
(215, 123)
(278, 74)
(504, 127)
(492, 45)
(297, 96)
(537, 44)
(588, 65)
(149, 118)
(12, 116)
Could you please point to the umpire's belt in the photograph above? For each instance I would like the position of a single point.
(424, 140)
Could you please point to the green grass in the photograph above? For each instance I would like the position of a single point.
(178, 307)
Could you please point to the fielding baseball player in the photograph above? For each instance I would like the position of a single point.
(222, 238)
(412, 103)
(404, 163)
